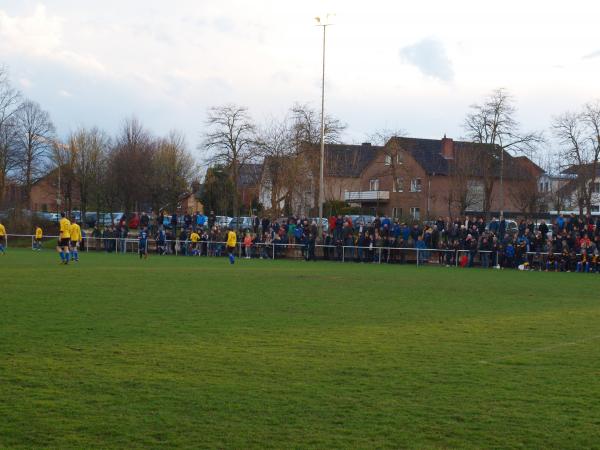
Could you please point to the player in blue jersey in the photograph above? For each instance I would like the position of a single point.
(143, 243)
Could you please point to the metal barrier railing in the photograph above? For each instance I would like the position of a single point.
(276, 250)
(272, 250)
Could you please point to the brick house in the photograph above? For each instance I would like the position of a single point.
(248, 185)
(573, 184)
(45, 194)
(292, 183)
(425, 178)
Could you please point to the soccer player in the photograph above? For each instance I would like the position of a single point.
(2, 238)
(143, 243)
(195, 238)
(75, 231)
(231, 243)
(62, 248)
(37, 245)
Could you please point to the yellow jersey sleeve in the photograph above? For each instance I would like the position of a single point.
(75, 232)
(65, 228)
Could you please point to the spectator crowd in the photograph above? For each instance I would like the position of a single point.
(567, 243)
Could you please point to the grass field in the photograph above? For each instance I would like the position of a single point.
(191, 352)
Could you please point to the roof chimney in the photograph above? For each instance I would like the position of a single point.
(447, 148)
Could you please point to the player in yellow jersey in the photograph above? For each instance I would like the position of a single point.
(75, 231)
(231, 243)
(37, 243)
(2, 238)
(195, 238)
(64, 237)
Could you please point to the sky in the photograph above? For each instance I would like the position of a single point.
(415, 66)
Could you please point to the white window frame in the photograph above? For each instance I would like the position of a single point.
(400, 184)
(415, 212)
(416, 185)
(387, 160)
(374, 182)
(399, 158)
(396, 212)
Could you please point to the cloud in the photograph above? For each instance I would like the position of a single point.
(595, 54)
(429, 56)
(40, 35)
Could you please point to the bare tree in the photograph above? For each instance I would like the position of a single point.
(131, 164)
(285, 172)
(88, 152)
(230, 141)
(306, 135)
(464, 187)
(383, 135)
(10, 100)
(493, 122)
(35, 134)
(173, 171)
(527, 197)
(306, 125)
(579, 136)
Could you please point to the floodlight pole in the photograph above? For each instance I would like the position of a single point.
(501, 180)
(322, 159)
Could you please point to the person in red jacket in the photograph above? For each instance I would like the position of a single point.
(331, 221)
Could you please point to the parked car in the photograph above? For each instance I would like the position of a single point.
(241, 223)
(131, 219)
(167, 221)
(76, 215)
(512, 227)
(107, 219)
(223, 221)
(364, 220)
(47, 216)
(90, 219)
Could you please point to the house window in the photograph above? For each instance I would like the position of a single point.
(399, 158)
(396, 213)
(596, 189)
(398, 185)
(415, 213)
(45, 207)
(415, 185)
(388, 160)
(374, 184)
(595, 208)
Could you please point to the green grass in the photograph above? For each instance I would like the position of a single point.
(191, 352)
